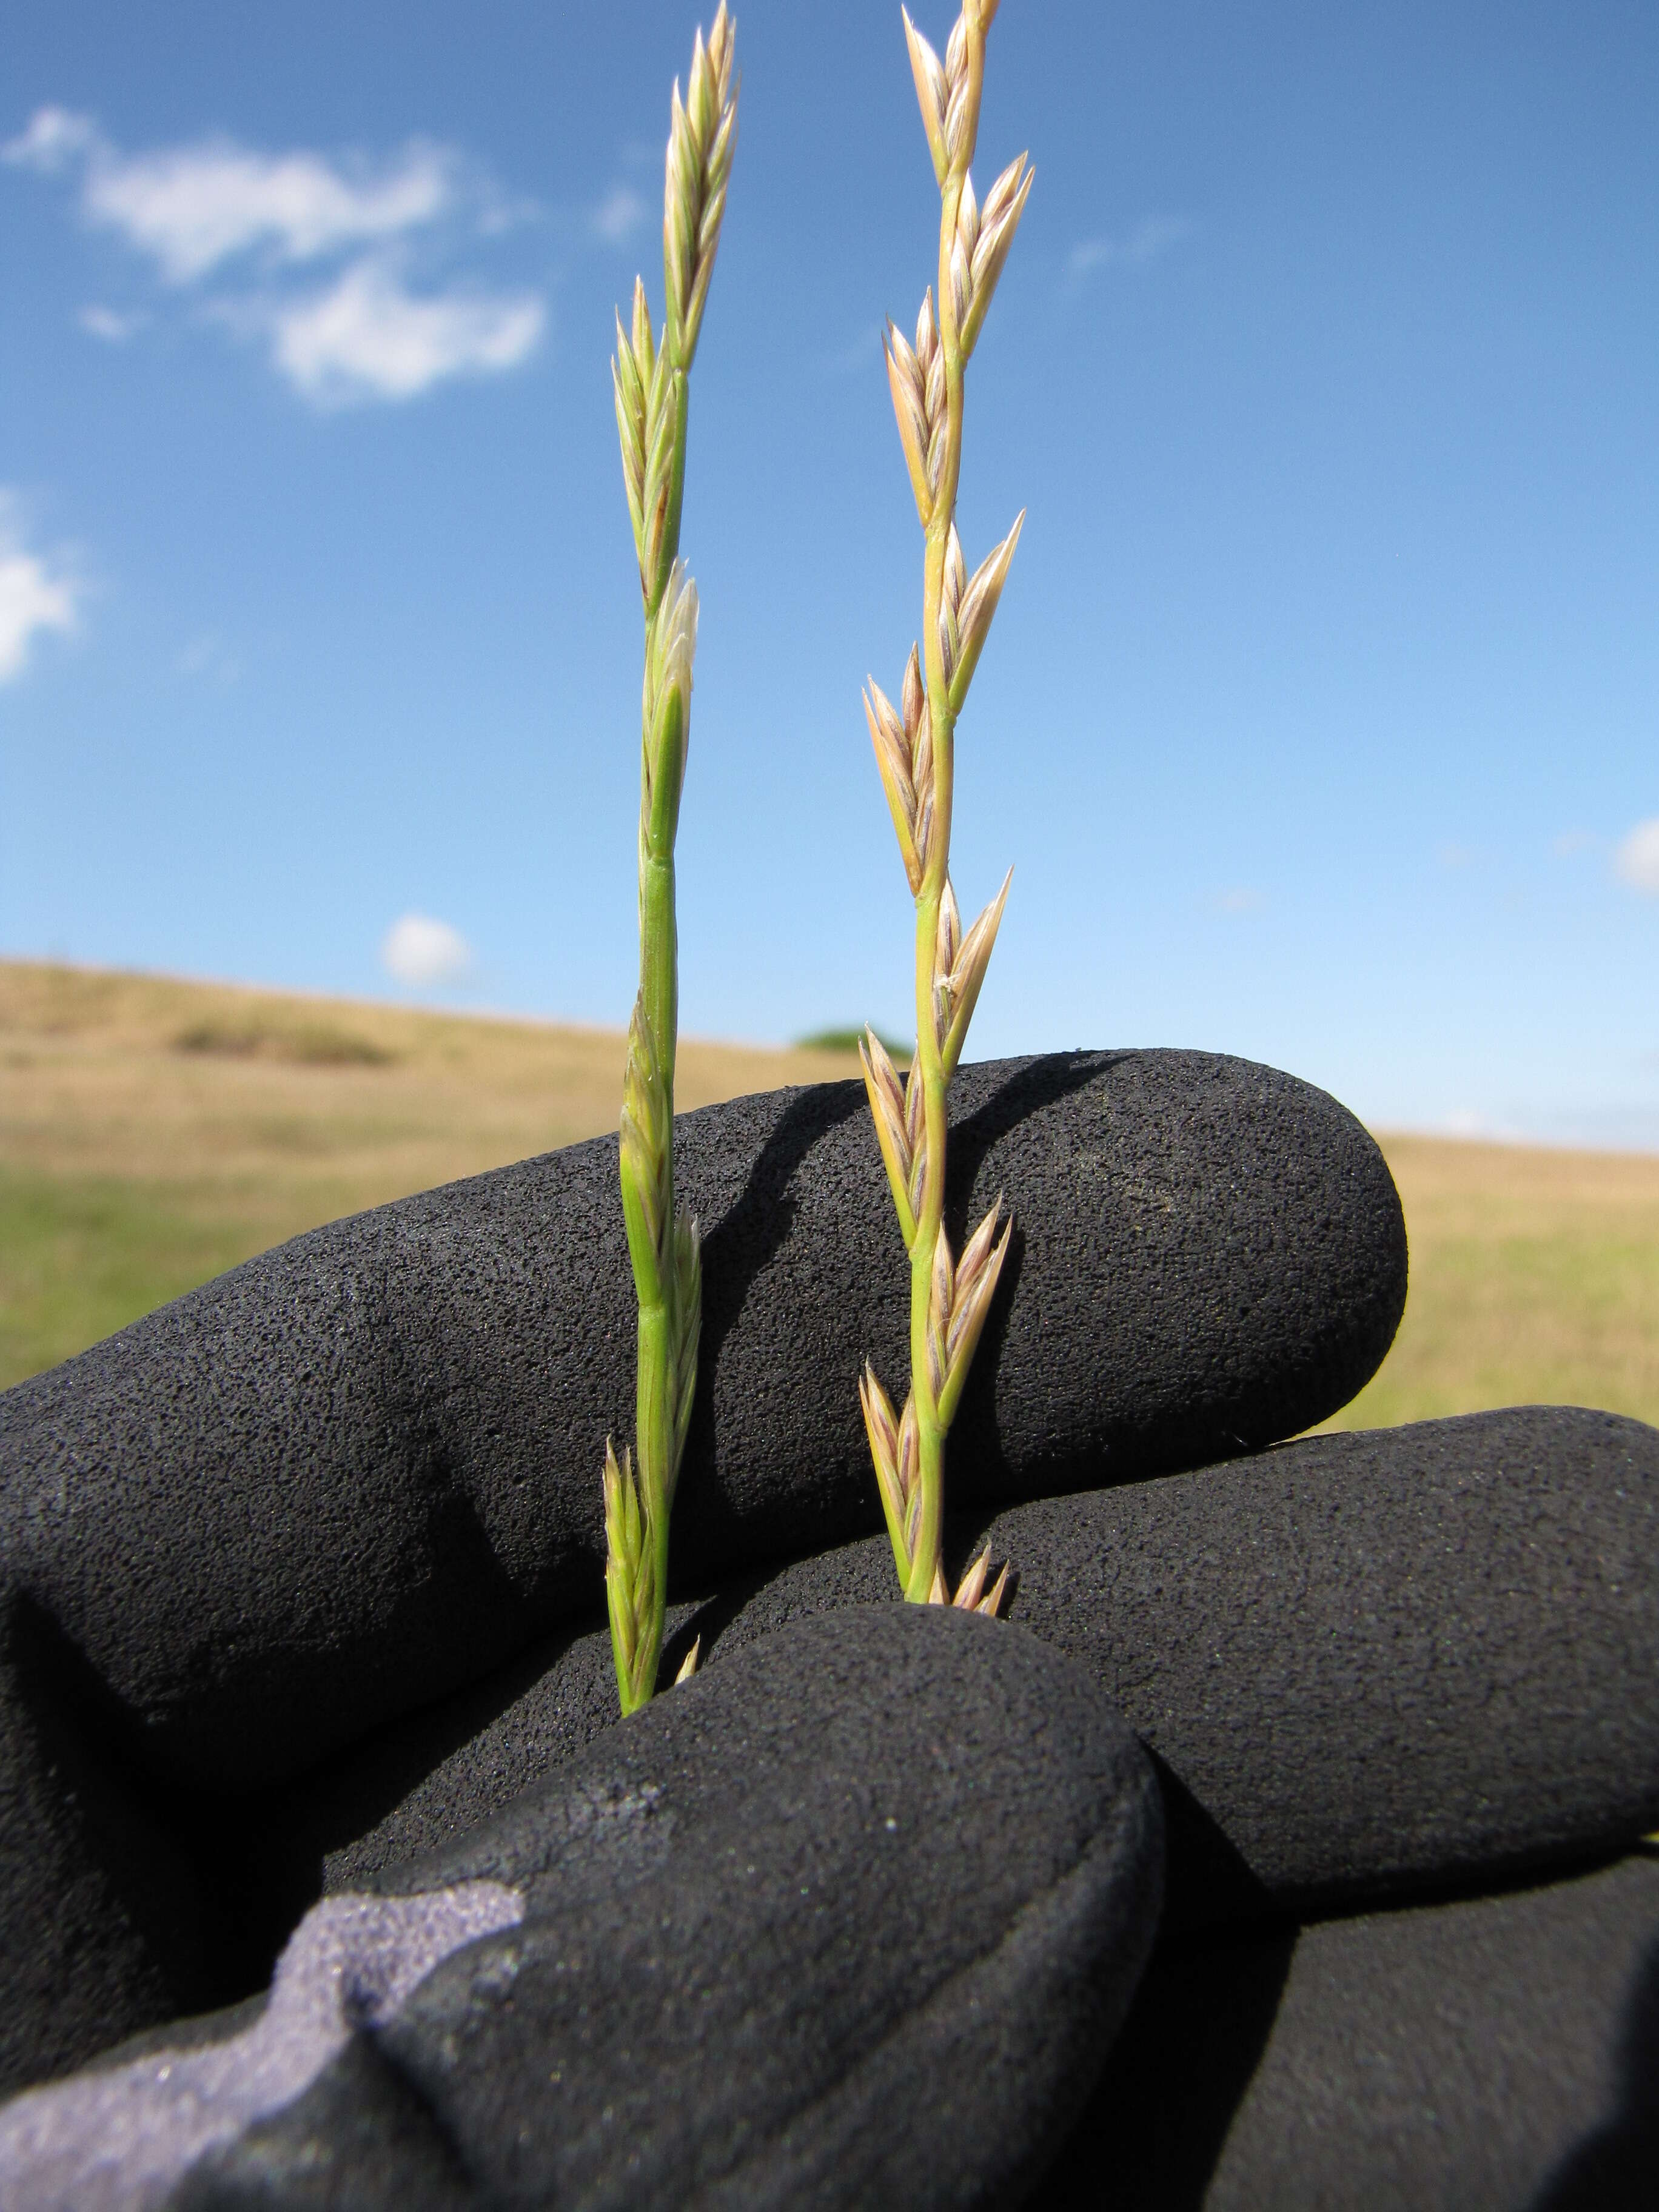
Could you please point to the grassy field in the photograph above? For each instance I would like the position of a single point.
(153, 1132)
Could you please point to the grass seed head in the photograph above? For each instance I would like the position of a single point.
(669, 653)
(922, 775)
(948, 937)
(950, 633)
(940, 1290)
(913, 697)
(971, 1293)
(972, 1585)
(664, 421)
(997, 224)
(672, 647)
(630, 388)
(992, 1603)
(950, 1301)
(702, 139)
(909, 1467)
(881, 1427)
(647, 1158)
(961, 988)
(960, 119)
(932, 94)
(887, 1110)
(908, 388)
(977, 603)
(630, 1569)
(904, 758)
(893, 763)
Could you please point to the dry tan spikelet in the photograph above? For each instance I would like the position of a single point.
(960, 121)
(963, 241)
(888, 1111)
(950, 605)
(931, 93)
(940, 1296)
(976, 607)
(903, 745)
(882, 1428)
(948, 937)
(971, 1594)
(930, 362)
(689, 1664)
(958, 1299)
(991, 1603)
(960, 989)
(999, 220)
(972, 1288)
(895, 766)
(915, 1126)
(910, 1469)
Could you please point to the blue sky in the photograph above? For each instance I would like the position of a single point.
(1320, 719)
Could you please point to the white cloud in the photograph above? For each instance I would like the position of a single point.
(105, 322)
(1572, 841)
(619, 214)
(1240, 900)
(193, 207)
(54, 139)
(363, 332)
(367, 336)
(1153, 235)
(418, 950)
(34, 595)
(1637, 861)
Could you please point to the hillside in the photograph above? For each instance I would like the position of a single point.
(153, 1132)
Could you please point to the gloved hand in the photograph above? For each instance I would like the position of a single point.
(1366, 1668)
(851, 1920)
(361, 1473)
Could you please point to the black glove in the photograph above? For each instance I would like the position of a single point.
(361, 1471)
(850, 1920)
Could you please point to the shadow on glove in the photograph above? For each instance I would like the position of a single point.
(851, 1920)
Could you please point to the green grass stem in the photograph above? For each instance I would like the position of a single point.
(652, 389)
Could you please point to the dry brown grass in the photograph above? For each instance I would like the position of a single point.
(153, 1132)
(1534, 1277)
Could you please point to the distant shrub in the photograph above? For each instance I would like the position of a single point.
(848, 1040)
(305, 1044)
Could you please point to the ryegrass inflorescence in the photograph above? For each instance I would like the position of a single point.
(651, 374)
(915, 745)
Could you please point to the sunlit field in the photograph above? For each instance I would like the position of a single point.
(154, 1133)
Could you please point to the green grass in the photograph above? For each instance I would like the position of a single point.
(849, 1041)
(81, 1255)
